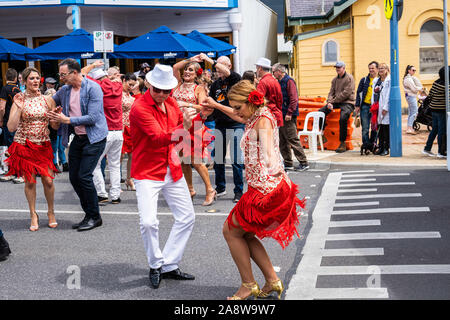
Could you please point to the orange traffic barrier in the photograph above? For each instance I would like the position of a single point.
(312, 99)
(331, 132)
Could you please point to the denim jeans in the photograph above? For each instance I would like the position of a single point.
(412, 110)
(83, 158)
(365, 122)
(439, 130)
(211, 125)
(8, 137)
(58, 151)
(222, 139)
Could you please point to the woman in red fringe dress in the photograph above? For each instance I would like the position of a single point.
(270, 208)
(31, 152)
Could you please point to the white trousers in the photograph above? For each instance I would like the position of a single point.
(179, 200)
(113, 150)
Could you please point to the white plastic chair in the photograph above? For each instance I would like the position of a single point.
(316, 130)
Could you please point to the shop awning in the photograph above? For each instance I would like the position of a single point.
(161, 43)
(10, 50)
(78, 44)
(221, 48)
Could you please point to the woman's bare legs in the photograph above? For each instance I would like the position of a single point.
(30, 194)
(49, 192)
(204, 174)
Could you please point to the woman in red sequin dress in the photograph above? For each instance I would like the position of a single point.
(189, 94)
(31, 152)
(270, 208)
(129, 81)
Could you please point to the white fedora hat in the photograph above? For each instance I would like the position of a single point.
(162, 77)
(264, 62)
(98, 74)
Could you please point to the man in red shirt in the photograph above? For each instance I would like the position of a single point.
(112, 105)
(270, 88)
(156, 124)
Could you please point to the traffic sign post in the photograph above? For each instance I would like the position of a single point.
(104, 42)
(395, 100)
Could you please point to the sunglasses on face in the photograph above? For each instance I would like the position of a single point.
(157, 90)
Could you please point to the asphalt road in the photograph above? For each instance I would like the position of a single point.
(367, 233)
(111, 261)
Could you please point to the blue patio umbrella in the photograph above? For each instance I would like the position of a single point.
(78, 44)
(221, 48)
(160, 43)
(10, 50)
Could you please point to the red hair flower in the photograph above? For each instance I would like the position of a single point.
(199, 72)
(255, 97)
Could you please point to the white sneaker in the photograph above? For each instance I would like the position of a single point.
(441, 156)
(18, 180)
(6, 178)
(428, 153)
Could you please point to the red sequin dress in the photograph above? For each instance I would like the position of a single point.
(127, 103)
(201, 137)
(270, 207)
(31, 152)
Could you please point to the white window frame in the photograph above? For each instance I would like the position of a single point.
(338, 49)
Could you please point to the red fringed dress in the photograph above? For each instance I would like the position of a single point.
(127, 103)
(270, 207)
(200, 136)
(31, 152)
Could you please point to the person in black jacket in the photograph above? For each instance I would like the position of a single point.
(363, 101)
(5, 251)
(436, 100)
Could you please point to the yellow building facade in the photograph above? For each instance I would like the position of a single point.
(357, 32)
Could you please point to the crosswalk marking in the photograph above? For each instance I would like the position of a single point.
(377, 184)
(383, 210)
(350, 293)
(359, 180)
(353, 252)
(386, 269)
(373, 196)
(357, 190)
(377, 175)
(382, 235)
(354, 223)
(357, 204)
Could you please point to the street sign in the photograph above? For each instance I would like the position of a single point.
(103, 41)
(388, 8)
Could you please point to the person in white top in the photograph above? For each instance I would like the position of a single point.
(412, 87)
(382, 86)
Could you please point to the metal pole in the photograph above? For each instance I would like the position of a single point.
(395, 100)
(76, 21)
(446, 78)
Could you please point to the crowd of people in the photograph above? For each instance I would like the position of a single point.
(171, 120)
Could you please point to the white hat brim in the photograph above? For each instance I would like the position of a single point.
(168, 86)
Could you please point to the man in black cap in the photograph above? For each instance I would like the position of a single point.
(144, 69)
(50, 83)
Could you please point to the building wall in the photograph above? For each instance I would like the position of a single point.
(314, 78)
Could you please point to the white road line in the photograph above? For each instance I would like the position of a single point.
(383, 236)
(350, 293)
(373, 196)
(357, 204)
(359, 171)
(218, 214)
(382, 210)
(359, 180)
(377, 175)
(377, 184)
(386, 269)
(358, 190)
(354, 223)
(303, 283)
(353, 252)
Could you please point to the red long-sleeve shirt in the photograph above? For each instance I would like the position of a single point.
(151, 134)
(271, 89)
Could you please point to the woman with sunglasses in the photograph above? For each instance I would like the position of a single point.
(31, 152)
(190, 94)
(412, 87)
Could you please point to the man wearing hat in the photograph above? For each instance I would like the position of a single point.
(112, 107)
(50, 83)
(270, 88)
(157, 123)
(341, 96)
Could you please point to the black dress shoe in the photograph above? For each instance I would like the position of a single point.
(77, 225)
(90, 224)
(4, 249)
(155, 277)
(177, 275)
